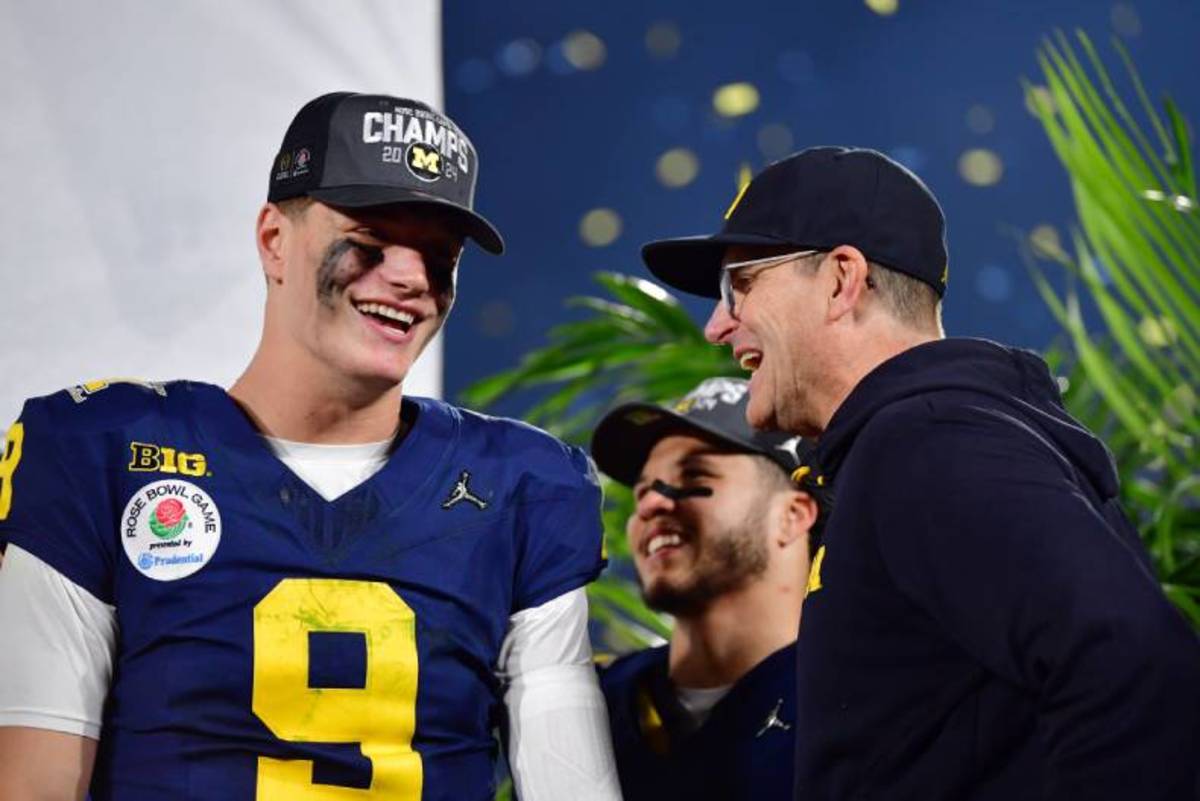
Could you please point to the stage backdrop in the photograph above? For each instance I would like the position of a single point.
(135, 149)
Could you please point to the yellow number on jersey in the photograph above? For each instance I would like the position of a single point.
(10, 457)
(380, 716)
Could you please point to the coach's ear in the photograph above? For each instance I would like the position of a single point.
(849, 268)
(270, 235)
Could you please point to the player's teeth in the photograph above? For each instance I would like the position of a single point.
(661, 541)
(386, 311)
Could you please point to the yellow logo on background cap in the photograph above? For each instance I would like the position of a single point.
(945, 273)
(744, 177)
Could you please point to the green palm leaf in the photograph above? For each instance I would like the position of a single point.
(1137, 262)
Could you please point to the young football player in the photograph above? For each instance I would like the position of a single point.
(309, 586)
(720, 539)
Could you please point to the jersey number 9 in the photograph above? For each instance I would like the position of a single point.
(381, 716)
(9, 459)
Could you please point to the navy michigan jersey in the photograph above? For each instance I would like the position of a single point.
(743, 751)
(276, 646)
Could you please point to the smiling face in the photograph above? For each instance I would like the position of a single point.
(358, 294)
(779, 335)
(691, 550)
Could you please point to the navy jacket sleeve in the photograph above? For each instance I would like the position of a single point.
(989, 532)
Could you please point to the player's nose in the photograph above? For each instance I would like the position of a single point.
(653, 503)
(404, 267)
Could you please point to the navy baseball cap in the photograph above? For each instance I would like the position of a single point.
(356, 151)
(818, 199)
(716, 410)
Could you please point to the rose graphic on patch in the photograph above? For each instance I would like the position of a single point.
(169, 519)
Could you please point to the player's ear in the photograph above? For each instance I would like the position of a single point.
(799, 515)
(850, 280)
(270, 235)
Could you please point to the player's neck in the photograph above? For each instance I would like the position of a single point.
(300, 402)
(716, 647)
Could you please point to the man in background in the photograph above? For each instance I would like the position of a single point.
(720, 539)
(982, 622)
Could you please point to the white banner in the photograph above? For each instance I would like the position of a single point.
(137, 140)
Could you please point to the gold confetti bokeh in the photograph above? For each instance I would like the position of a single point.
(600, 227)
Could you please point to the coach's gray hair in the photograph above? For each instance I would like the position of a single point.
(909, 300)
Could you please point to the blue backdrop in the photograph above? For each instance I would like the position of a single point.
(572, 106)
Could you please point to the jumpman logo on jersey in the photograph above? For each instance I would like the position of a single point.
(773, 721)
(462, 493)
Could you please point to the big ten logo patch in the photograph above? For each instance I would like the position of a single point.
(148, 458)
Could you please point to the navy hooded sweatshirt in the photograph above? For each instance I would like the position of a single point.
(982, 622)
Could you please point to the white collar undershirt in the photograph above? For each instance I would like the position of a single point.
(331, 470)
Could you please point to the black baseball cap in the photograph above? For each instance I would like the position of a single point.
(355, 151)
(818, 199)
(716, 409)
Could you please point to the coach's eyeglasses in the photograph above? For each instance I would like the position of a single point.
(736, 282)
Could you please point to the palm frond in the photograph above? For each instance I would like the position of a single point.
(1136, 261)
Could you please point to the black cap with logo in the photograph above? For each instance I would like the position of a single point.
(716, 409)
(356, 150)
(818, 199)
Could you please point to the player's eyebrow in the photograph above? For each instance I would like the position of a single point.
(368, 232)
(699, 458)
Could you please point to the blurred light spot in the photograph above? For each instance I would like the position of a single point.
(1158, 332)
(745, 175)
(735, 99)
(884, 8)
(980, 167)
(671, 113)
(474, 75)
(663, 39)
(519, 57)
(1178, 202)
(980, 119)
(1039, 100)
(796, 66)
(556, 60)
(677, 167)
(1045, 241)
(584, 50)
(993, 283)
(1180, 406)
(1125, 20)
(775, 140)
(599, 227)
(1064, 384)
(497, 319)
(911, 157)
(653, 290)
